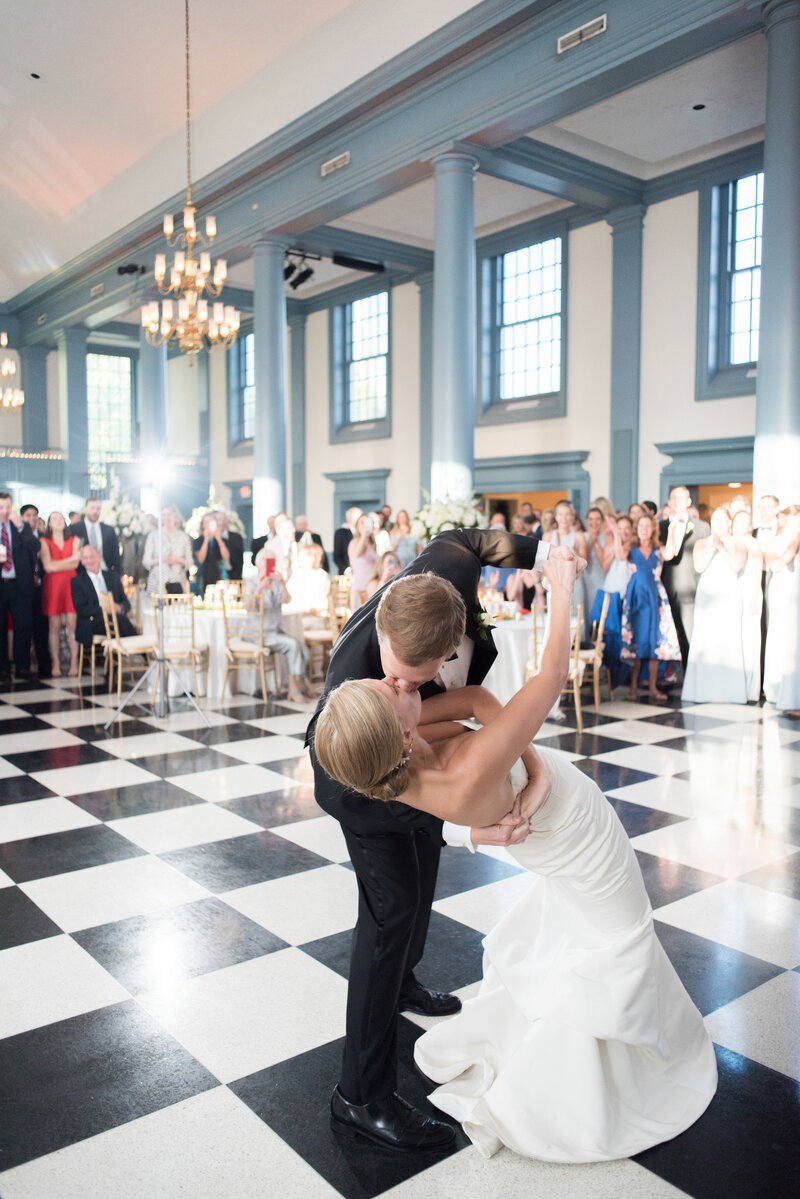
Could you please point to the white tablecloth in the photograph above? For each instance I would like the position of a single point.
(209, 629)
(514, 642)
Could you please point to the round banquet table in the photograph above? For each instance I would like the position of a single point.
(514, 642)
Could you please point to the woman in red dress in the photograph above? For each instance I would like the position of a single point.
(60, 555)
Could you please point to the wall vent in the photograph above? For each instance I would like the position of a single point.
(97, 290)
(577, 36)
(335, 164)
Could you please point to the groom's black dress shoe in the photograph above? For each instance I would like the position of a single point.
(391, 1122)
(428, 1003)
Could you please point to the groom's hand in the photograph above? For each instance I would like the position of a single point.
(511, 830)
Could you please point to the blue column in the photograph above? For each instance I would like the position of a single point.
(626, 337)
(777, 444)
(297, 352)
(33, 381)
(72, 386)
(269, 328)
(425, 284)
(152, 397)
(454, 336)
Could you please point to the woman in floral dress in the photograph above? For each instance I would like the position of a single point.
(648, 630)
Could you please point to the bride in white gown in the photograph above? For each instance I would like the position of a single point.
(581, 1044)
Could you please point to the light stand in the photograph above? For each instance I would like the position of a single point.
(159, 663)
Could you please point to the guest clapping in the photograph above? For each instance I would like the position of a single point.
(619, 570)
(60, 555)
(362, 555)
(782, 661)
(171, 571)
(648, 630)
(600, 553)
(404, 542)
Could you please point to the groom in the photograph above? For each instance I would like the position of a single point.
(428, 635)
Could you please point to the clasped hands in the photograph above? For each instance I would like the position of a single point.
(514, 828)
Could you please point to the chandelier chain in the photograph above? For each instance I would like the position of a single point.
(188, 112)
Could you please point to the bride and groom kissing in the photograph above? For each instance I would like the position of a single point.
(581, 1044)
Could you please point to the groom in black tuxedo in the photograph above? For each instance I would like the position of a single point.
(678, 536)
(394, 848)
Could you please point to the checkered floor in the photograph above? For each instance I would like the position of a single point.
(174, 929)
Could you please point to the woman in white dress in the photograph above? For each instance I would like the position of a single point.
(619, 571)
(600, 554)
(581, 1044)
(716, 670)
(564, 532)
(752, 600)
(782, 658)
(171, 572)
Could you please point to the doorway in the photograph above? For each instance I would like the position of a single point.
(510, 502)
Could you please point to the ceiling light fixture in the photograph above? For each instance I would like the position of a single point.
(303, 275)
(186, 317)
(10, 397)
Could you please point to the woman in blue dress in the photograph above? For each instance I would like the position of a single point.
(648, 630)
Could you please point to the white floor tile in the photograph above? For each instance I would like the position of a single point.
(622, 709)
(639, 731)
(249, 1016)
(231, 782)
(79, 718)
(178, 722)
(7, 771)
(5, 881)
(322, 835)
(75, 983)
(653, 759)
(301, 907)
(751, 919)
(678, 796)
(763, 1024)
(92, 776)
(38, 817)
(280, 724)
(482, 907)
(767, 734)
(707, 844)
(738, 712)
(23, 743)
(148, 743)
(9, 712)
(35, 695)
(263, 749)
(115, 891)
(206, 1147)
(178, 828)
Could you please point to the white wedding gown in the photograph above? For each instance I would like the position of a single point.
(582, 1044)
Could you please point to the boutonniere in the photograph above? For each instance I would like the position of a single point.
(483, 623)
(689, 528)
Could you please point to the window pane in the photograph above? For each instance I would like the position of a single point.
(367, 359)
(744, 252)
(530, 329)
(108, 394)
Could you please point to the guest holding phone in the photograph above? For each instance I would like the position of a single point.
(218, 551)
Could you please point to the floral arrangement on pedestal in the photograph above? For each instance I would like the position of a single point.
(194, 524)
(449, 513)
(123, 515)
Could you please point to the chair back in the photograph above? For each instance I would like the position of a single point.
(576, 621)
(599, 628)
(248, 621)
(340, 592)
(109, 615)
(177, 614)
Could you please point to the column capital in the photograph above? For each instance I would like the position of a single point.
(72, 337)
(297, 320)
(775, 12)
(629, 216)
(270, 243)
(424, 280)
(457, 161)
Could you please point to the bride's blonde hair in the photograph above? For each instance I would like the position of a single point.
(358, 741)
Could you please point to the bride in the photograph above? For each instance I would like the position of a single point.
(581, 1043)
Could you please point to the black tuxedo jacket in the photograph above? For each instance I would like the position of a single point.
(86, 603)
(679, 575)
(109, 539)
(24, 555)
(457, 556)
(341, 539)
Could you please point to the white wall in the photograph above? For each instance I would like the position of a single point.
(669, 411)
(183, 425)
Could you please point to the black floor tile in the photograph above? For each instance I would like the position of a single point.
(609, 777)
(22, 724)
(299, 769)
(185, 762)
(277, 807)
(202, 936)
(21, 920)
(745, 1144)
(58, 759)
(241, 861)
(453, 955)
(713, 974)
(783, 877)
(137, 799)
(256, 710)
(637, 818)
(460, 871)
(590, 719)
(667, 881)
(59, 853)
(97, 732)
(224, 734)
(588, 743)
(21, 788)
(73, 1079)
(45, 705)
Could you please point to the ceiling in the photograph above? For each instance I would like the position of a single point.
(98, 139)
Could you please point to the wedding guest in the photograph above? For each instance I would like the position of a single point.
(782, 661)
(678, 536)
(497, 521)
(171, 573)
(600, 554)
(258, 542)
(218, 549)
(404, 543)
(548, 520)
(18, 551)
(72, 516)
(273, 588)
(86, 586)
(565, 533)
(92, 531)
(386, 513)
(619, 570)
(302, 535)
(605, 506)
(650, 507)
(768, 509)
(387, 566)
(283, 546)
(309, 585)
(41, 624)
(634, 512)
(752, 599)
(648, 631)
(716, 670)
(383, 542)
(60, 556)
(342, 538)
(362, 556)
(522, 587)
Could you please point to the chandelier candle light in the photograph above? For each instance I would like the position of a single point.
(10, 397)
(188, 317)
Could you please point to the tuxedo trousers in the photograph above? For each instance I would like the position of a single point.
(17, 602)
(396, 875)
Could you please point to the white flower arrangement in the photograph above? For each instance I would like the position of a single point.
(194, 524)
(450, 513)
(125, 517)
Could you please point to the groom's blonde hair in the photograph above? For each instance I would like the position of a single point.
(358, 740)
(423, 617)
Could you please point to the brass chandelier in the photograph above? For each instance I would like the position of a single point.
(10, 397)
(192, 315)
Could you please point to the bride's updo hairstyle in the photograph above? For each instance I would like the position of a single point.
(358, 741)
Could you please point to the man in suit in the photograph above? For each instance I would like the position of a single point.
(395, 849)
(19, 550)
(41, 624)
(92, 531)
(678, 537)
(768, 508)
(302, 534)
(87, 585)
(259, 542)
(342, 538)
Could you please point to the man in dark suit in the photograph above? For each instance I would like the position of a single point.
(394, 848)
(19, 550)
(342, 538)
(41, 624)
(92, 531)
(678, 537)
(301, 533)
(87, 584)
